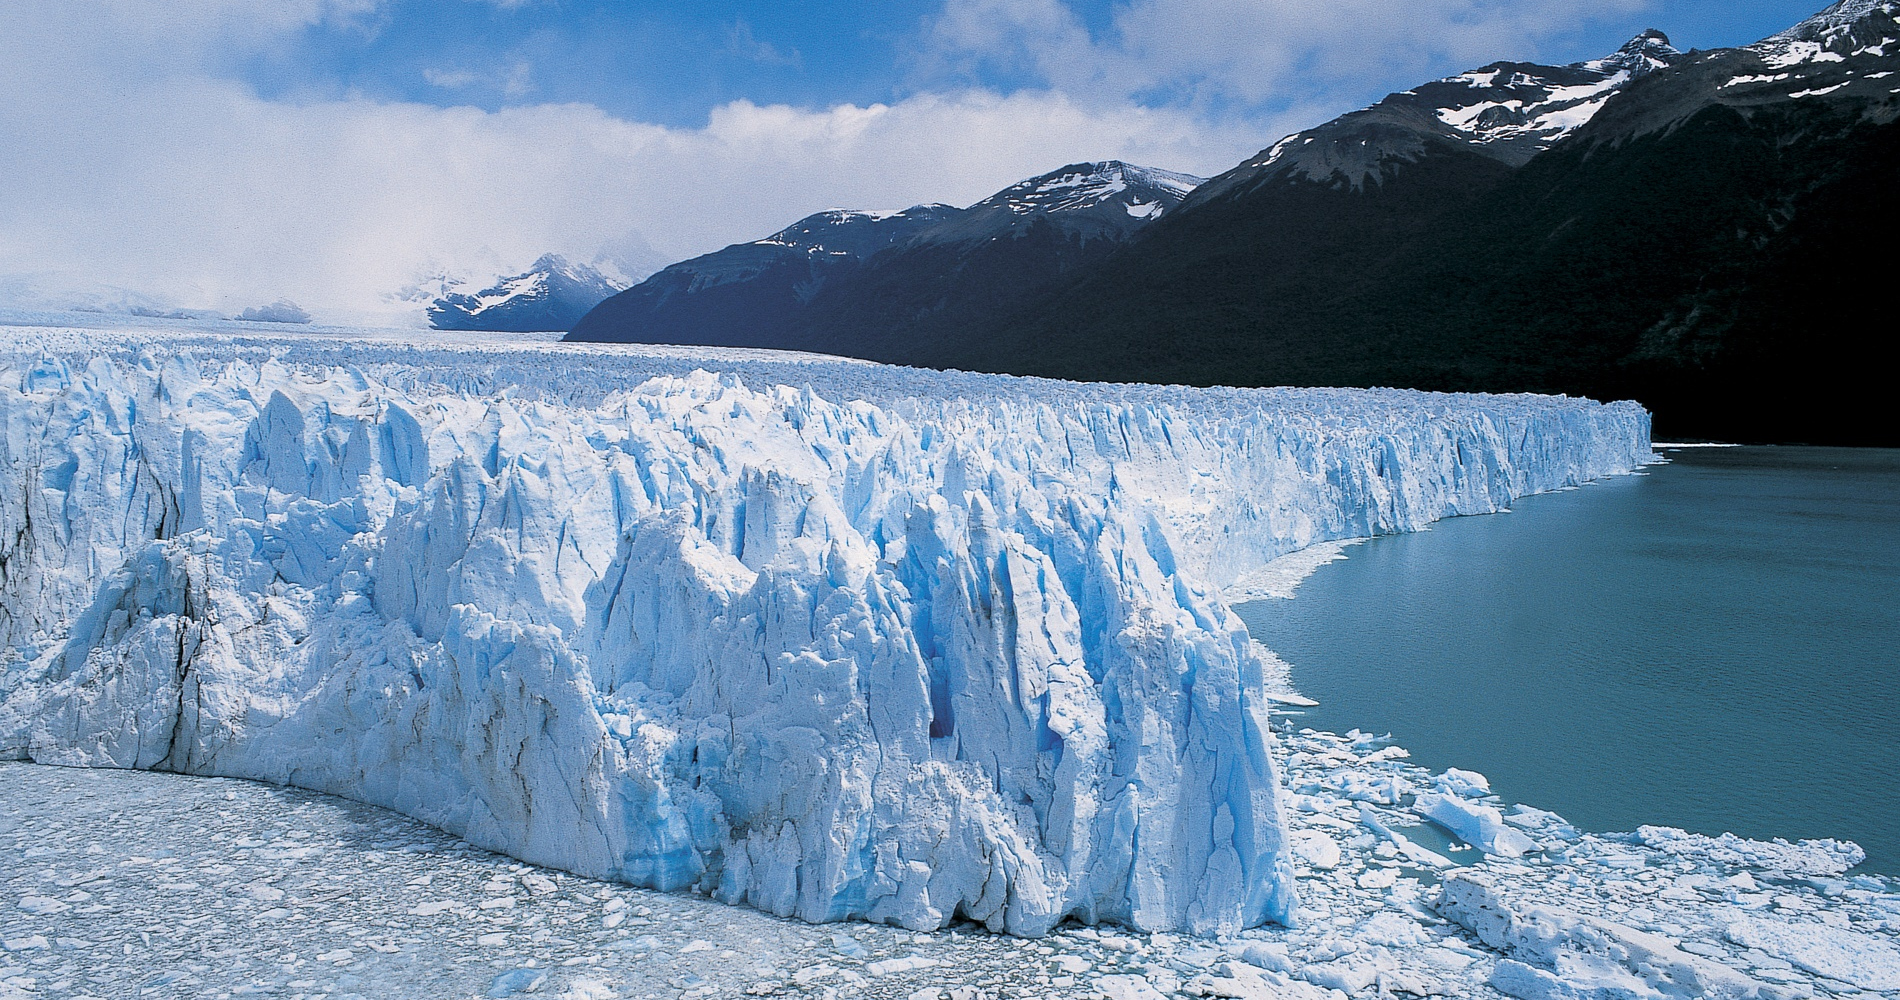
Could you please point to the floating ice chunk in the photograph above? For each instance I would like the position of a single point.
(1607, 982)
(1124, 987)
(1391, 930)
(1469, 784)
(1545, 824)
(1243, 981)
(849, 946)
(1378, 878)
(589, 989)
(1316, 848)
(1557, 953)
(1383, 789)
(1807, 857)
(893, 966)
(1475, 823)
(1354, 973)
(517, 981)
(1401, 843)
(1835, 952)
(1270, 955)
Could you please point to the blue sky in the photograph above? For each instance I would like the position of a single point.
(671, 63)
(357, 155)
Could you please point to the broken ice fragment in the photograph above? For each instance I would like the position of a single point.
(1475, 823)
(517, 981)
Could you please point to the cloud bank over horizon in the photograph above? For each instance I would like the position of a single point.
(145, 166)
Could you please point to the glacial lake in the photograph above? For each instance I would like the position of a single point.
(1713, 645)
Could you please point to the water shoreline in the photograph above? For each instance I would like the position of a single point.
(1363, 681)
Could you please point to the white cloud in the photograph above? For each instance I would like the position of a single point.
(1249, 52)
(449, 79)
(513, 80)
(194, 190)
(132, 164)
(741, 42)
(518, 81)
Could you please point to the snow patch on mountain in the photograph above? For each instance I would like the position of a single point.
(551, 295)
(854, 234)
(1106, 199)
(1848, 29)
(1086, 185)
(1843, 56)
(835, 640)
(1537, 107)
(1506, 111)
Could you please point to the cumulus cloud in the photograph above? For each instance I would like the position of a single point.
(741, 42)
(1224, 53)
(135, 162)
(449, 79)
(182, 185)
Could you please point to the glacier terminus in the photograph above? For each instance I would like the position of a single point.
(830, 639)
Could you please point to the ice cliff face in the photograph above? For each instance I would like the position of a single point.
(892, 644)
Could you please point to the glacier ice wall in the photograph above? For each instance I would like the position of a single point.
(832, 640)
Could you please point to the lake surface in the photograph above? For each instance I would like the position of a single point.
(1713, 645)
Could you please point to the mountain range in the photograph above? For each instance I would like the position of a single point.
(1700, 231)
(553, 294)
(873, 282)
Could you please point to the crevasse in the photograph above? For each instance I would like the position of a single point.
(832, 640)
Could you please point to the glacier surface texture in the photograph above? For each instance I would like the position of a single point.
(830, 639)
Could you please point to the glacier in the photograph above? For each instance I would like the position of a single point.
(831, 639)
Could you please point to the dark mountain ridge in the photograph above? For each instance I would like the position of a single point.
(840, 277)
(1707, 233)
(1709, 243)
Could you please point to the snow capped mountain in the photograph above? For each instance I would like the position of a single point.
(844, 233)
(1517, 110)
(1849, 50)
(551, 295)
(1507, 111)
(1846, 57)
(891, 264)
(812, 247)
(1847, 29)
(1661, 225)
(1141, 192)
(1108, 198)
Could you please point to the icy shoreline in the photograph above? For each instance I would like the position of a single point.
(123, 882)
(831, 639)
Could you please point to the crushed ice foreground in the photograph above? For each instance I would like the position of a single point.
(890, 644)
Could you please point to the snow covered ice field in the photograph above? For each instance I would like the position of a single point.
(122, 883)
(824, 638)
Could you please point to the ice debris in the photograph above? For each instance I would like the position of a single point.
(516, 981)
(1807, 857)
(928, 645)
(1838, 953)
(1556, 953)
(1475, 823)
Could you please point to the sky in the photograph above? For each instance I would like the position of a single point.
(353, 155)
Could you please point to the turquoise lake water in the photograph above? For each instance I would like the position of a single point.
(1713, 645)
